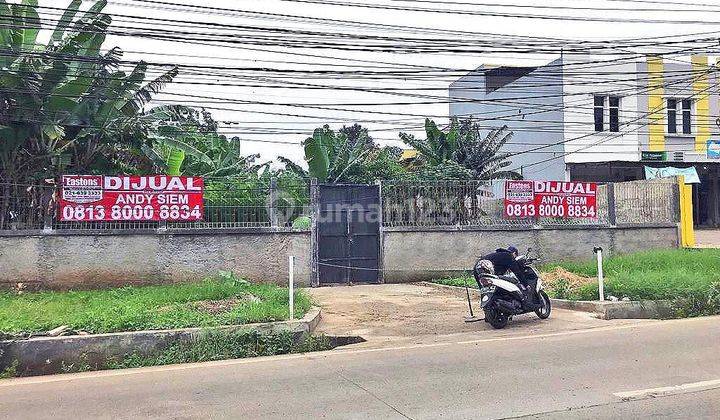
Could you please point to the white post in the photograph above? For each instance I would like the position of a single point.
(291, 272)
(601, 279)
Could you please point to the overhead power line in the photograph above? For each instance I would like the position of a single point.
(574, 8)
(506, 14)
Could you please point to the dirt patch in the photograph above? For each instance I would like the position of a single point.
(389, 313)
(216, 307)
(559, 274)
(391, 310)
(564, 283)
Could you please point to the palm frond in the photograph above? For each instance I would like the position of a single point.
(144, 94)
(185, 144)
(64, 22)
(292, 166)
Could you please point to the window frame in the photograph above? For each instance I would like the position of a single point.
(682, 108)
(614, 126)
(687, 115)
(671, 116)
(599, 113)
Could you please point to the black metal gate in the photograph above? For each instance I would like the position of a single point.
(346, 234)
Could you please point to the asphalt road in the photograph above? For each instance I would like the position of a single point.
(657, 369)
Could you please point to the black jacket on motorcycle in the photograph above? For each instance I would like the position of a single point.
(504, 261)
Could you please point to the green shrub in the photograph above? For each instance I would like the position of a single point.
(10, 371)
(699, 302)
(245, 199)
(560, 289)
(302, 223)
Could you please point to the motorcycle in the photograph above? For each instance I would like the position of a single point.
(502, 297)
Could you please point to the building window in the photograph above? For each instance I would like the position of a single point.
(599, 113)
(613, 104)
(687, 115)
(672, 115)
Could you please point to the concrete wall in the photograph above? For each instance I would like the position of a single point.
(92, 261)
(413, 255)
(410, 254)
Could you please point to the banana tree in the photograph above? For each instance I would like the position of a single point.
(332, 158)
(185, 140)
(64, 105)
(482, 154)
(460, 152)
(438, 146)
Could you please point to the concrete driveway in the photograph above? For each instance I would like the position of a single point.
(392, 313)
(707, 238)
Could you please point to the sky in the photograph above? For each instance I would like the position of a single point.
(285, 117)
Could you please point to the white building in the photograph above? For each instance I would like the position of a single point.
(603, 119)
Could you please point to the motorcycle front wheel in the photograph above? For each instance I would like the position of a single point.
(543, 312)
(497, 319)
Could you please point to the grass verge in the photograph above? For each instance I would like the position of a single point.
(222, 300)
(457, 281)
(220, 345)
(210, 345)
(690, 278)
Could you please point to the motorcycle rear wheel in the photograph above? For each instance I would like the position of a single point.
(543, 312)
(497, 319)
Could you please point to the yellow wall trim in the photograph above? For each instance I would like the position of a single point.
(687, 228)
(656, 104)
(701, 91)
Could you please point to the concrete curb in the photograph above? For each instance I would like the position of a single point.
(50, 355)
(644, 309)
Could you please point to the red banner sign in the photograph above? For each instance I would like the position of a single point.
(567, 200)
(90, 198)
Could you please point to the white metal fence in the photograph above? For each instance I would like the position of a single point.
(473, 204)
(250, 203)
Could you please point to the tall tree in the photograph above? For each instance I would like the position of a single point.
(331, 157)
(186, 141)
(481, 153)
(357, 135)
(460, 152)
(64, 106)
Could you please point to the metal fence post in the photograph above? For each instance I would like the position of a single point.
(291, 286)
(314, 215)
(677, 200)
(48, 197)
(48, 221)
(272, 210)
(601, 278)
(612, 210)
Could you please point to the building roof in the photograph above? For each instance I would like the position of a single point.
(502, 76)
